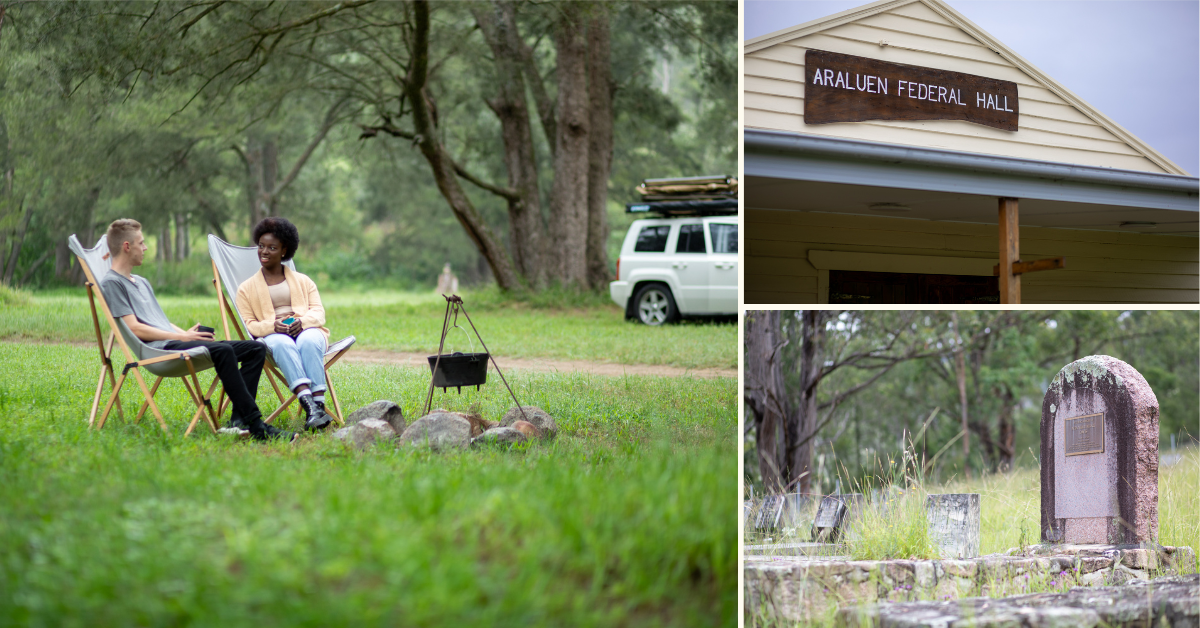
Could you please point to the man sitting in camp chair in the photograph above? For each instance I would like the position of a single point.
(131, 299)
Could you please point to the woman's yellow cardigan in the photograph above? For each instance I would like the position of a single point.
(254, 303)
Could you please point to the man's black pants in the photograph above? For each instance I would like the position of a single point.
(241, 385)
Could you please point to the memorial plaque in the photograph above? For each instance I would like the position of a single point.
(845, 88)
(1085, 435)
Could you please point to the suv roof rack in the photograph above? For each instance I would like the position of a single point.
(703, 207)
(687, 196)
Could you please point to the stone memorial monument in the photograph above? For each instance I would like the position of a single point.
(1099, 455)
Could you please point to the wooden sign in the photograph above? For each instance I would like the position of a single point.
(846, 88)
(1085, 435)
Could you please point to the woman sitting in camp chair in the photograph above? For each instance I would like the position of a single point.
(283, 308)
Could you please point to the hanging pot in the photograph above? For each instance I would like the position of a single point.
(459, 369)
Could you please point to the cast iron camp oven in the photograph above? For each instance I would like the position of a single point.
(459, 369)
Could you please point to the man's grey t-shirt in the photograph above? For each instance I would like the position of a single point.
(135, 297)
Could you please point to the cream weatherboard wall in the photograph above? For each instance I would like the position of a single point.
(922, 33)
(1102, 266)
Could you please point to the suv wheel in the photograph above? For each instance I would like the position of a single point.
(654, 304)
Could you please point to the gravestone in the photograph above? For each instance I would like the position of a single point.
(1099, 455)
(770, 513)
(834, 516)
(954, 523)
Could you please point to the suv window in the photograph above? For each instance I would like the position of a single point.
(724, 237)
(691, 239)
(652, 239)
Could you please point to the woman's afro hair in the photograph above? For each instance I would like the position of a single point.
(282, 229)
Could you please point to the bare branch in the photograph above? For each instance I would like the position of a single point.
(192, 22)
(330, 118)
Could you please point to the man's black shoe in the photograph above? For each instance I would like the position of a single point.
(236, 428)
(277, 434)
(314, 414)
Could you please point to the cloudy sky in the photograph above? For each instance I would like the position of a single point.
(1136, 62)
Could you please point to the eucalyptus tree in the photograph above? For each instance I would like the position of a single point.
(397, 69)
(802, 366)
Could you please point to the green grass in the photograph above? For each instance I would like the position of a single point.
(627, 518)
(533, 327)
(1010, 511)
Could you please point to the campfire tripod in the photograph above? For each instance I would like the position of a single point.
(454, 303)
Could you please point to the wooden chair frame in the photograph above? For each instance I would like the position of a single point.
(272, 371)
(203, 403)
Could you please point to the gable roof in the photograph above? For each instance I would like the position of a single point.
(956, 19)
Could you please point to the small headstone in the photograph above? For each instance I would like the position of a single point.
(365, 432)
(1099, 455)
(954, 523)
(383, 410)
(828, 522)
(535, 415)
(835, 515)
(770, 513)
(439, 431)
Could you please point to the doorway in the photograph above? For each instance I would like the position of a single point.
(856, 287)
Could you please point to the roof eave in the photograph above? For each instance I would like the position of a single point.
(836, 160)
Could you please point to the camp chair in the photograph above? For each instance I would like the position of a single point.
(232, 266)
(183, 364)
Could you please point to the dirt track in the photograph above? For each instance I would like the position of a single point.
(415, 360)
(376, 356)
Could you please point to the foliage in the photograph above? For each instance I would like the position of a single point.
(110, 114)
(13, 297)
(611, 523)
(1012, 355)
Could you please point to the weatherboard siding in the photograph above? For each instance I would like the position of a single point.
(1102, 266)
(1050, 129)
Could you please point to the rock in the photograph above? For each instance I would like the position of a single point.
(499, 436)
(528, 429)
(365, 432)
(479, 425)
(535, 415)
(439, 431)
(383, 410)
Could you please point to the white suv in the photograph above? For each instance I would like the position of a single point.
(678, 266)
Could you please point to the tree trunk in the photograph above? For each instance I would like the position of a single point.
(18, 240)
(262, 161)
(440, 161)
(600, 146)
(961, 372)
(499, 26)
(163, 254)
(764, 393)
(568, 196)
(182, 244)
(1006, 432)
(804, 420)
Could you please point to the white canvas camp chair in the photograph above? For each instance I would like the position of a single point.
(183, 364)
(232, 266)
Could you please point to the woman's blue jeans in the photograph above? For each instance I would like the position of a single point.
(302, 360)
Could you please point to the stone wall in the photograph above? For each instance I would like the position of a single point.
(798, 589)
